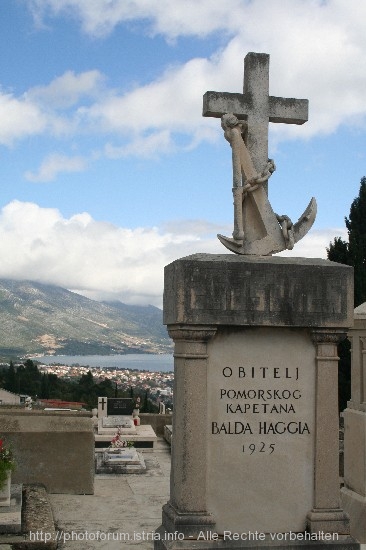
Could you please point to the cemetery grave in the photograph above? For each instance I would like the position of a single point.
(255, 457)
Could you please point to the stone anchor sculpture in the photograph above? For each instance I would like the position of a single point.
(244, 119)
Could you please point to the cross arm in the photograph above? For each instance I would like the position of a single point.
(216, 104)
(288, 110)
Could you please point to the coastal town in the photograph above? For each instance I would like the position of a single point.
(159, 385)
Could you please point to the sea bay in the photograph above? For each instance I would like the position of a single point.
(138, 361)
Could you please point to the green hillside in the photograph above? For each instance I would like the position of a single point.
(44, 319)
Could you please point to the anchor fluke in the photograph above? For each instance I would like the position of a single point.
(305, 221)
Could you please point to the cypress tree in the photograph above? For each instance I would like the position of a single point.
(351, 253)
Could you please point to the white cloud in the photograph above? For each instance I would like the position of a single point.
(181, 17)
(54, 165)
(148, 146)
(94, 258)
(103, 261)
(67, 90)
(317, 51)
(42, 109)
(315, 243)
(19, 118)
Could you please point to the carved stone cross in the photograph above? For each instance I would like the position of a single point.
(256, 106)
(103, 402)
(261, 227)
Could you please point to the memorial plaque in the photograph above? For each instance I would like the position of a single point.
(120, 406)
(261, 387)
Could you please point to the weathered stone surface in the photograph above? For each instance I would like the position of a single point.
(38, 528)
(271, 456)
(255, 399)
(245, 118)
(267, 291)
(256, 106)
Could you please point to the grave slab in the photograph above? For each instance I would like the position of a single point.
(127, 461)
(109, 425)
(144, 438)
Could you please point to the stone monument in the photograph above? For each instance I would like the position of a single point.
(255, 423)
(354, 490)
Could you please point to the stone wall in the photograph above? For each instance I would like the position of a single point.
(8, 398)
(156, 421)
(53, 448)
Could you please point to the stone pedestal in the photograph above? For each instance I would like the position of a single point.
(255, 402)
(354, 492)
(11, 515)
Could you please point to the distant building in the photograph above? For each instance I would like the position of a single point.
(166, 392)
(9, 398)
(59, 404)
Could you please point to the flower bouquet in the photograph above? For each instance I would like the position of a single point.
(119, 441)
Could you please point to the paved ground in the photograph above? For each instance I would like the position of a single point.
(122, 514)
(124, 511)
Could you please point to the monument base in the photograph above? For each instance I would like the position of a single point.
(258, 541)
(353, 494)
(256, 430)
(355, 505)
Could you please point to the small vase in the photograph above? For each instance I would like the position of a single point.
(5, 491)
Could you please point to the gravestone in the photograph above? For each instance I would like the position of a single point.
(118, 413)
(120, 406)
(255, 423)
(113, 414)
(354, 490)
(102, 406)
(115, 406)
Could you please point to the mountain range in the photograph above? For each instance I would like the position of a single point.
(44, 319)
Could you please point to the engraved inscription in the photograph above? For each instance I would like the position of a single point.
(257, 410)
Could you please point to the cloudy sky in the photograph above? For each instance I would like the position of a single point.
(109, 171)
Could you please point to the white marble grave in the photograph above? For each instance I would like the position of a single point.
(121, 456)
(109, 422)
(120, 461)
(108, 425)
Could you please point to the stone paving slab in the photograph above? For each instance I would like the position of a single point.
(122, 514)
(124, 511)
